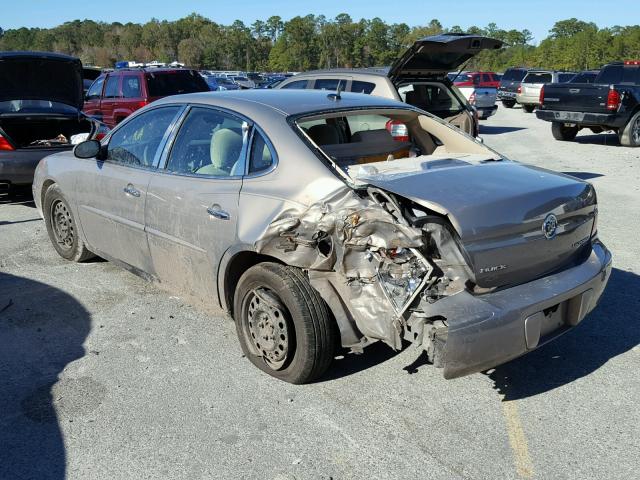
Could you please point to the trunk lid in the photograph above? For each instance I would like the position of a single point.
(500, 211)
(576, 97)
(41, 76)
(437, 55)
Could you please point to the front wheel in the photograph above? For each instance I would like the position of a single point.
(284, 326)
(561, 132)
(528, 108)
(62, 228)
(630, 134)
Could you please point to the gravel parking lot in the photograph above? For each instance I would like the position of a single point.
(103, 375)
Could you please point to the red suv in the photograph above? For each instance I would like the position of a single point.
(477, 79)
(115, 95)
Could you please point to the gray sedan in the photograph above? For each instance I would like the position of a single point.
(320, 220)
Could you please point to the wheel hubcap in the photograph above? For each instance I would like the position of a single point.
(266, 327)
(62, 223)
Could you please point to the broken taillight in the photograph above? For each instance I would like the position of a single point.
(4, 144)
(398, 130)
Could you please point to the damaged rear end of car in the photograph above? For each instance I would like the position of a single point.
(437, 240)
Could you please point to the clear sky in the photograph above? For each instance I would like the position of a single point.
(536, 15)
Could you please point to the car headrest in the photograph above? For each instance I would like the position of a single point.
(378, 135)
(324, 134)
(226, 145)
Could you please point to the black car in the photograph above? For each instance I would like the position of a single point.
(40, 111)
(611, 102)
(509, 84)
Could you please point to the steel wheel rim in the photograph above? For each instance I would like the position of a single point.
(266, 328)
(62, 223)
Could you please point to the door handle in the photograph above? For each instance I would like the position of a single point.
(131, 190)
(217, 212)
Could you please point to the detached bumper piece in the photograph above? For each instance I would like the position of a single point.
(468, 333)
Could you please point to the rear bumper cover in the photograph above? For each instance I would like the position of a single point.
(486, 112)
(487, 330)
(18, 166)
(528, 99)
(582, 118)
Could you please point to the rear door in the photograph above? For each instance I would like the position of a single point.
(192, 204)
(111, 193)
(132, 96)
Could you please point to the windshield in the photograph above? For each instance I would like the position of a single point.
(372, 142)
(36, 106)
(162, 84)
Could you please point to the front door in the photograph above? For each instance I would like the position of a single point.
(192, 206)
(111, 193)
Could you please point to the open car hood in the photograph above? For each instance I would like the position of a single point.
(41, 76)
(437, 55)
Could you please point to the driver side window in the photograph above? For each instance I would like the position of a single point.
(136, 142)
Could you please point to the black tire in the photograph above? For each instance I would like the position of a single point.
(508, 103)
(528, 108)
(61, 226)
(630, 135)
(561, 132)
(276, 304)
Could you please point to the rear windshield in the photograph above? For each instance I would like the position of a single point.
(539, 77)
(162, 84)
(397, 142)
(565, 77)
(434, 98)
(514, 75)
(35, 106)
(584, 77)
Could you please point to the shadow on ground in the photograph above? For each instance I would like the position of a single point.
(610, 139)
(612, 329)
(496, 130)
(42, 329)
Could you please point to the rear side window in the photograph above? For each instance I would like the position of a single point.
(537, 78)
(514, 75)
(611, 74)
(297, 84)
(112, 90)
(131, 86)
(362, 87)
(261, 156)
(329, 84)
(95, 89)
(631, 75)
(163, 84)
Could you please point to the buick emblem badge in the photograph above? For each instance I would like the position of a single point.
(549, 226)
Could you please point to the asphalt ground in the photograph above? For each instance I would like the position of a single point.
(105, 376)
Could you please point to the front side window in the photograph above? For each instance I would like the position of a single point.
(95, 89)
(297, 84)
(131, 86)
(136, 142)
(209, 142)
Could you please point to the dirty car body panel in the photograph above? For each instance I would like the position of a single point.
(432, 237)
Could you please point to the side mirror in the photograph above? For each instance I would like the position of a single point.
(87, 149)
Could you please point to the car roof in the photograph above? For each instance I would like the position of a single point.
(285, 102)
(32, 54)
(376, 71)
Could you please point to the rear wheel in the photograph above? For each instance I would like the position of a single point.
(284, 326)
(561, 132)
(61, 226)
(508, 103)
(528, 108)
(630, 134)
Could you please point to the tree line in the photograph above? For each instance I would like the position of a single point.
(309, 42)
